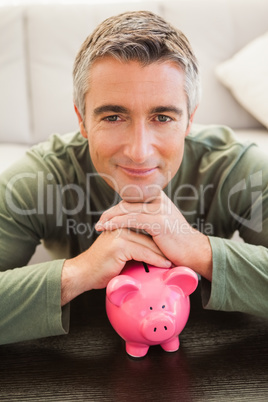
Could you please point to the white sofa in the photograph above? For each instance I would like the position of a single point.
(38, 44)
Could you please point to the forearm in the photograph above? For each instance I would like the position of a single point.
(204, 266)
(72, 285)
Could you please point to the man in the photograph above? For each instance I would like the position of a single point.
(137, 182)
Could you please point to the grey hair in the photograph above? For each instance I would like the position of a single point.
(142, 36)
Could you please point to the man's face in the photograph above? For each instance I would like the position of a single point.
(136, 122)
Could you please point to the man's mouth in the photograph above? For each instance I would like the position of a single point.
(138, 172)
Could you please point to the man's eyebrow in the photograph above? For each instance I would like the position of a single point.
(166, 109)
(121, 109)
(110, 108)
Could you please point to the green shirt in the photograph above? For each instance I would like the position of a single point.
(55, 195)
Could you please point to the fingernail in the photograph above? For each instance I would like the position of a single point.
(99, 226)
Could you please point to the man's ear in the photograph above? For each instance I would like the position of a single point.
(83, 130)
(190, 122)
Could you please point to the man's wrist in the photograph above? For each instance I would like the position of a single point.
(203, 257)
(196, 253)
(70, 284)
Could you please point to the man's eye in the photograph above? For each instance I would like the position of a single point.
(112, 118)
(163, 119)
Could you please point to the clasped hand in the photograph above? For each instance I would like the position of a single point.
(154, 232)
(177, 240)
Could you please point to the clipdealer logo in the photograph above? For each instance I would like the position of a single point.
(51, 199)
(254, 188)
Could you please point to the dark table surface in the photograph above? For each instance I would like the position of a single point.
(222, 357)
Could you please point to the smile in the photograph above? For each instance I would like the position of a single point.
(135, 172)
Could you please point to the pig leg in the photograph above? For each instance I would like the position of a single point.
(172, 345)
(136, 349)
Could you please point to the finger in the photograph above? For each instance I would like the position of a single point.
(125, 208)
(141, 239)
(146, 255)
(127, 245)
(140, 252)
(147, 223)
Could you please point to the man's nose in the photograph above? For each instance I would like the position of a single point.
(139, 145)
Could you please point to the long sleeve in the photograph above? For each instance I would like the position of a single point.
(30, 304)
(45, 197)
(222, 187)
(240, 202)
(240, 278)
(30, 296)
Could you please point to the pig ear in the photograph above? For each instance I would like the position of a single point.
(121, 286)
(182, 277)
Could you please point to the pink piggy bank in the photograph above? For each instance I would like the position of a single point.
(148, 306)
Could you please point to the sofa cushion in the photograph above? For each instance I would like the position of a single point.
(217, 30)
(14, 122)
(246, 75)
(258, 137)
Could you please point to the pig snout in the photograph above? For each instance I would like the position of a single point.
(158, 327)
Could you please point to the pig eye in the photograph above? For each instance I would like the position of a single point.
(163, 306)
(151, 308)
